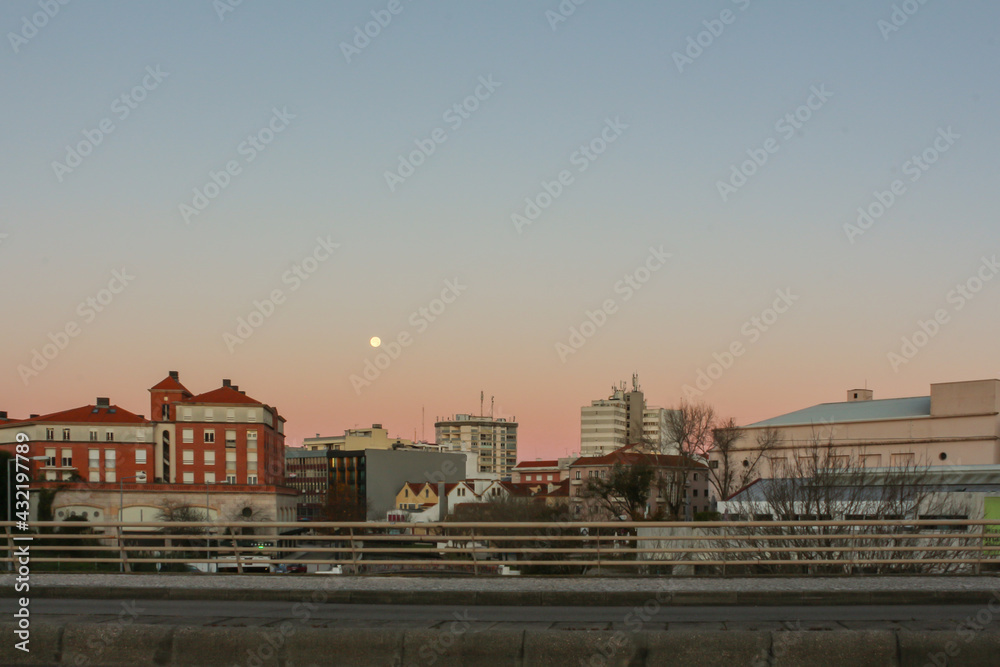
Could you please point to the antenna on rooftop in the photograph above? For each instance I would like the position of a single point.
(491, 407)
(481, 402)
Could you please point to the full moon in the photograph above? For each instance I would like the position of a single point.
(375, 341)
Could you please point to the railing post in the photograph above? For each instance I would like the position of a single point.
(982, 548)
(725, 548)
(354, 553)
(236, 550)
(121, 549)
(598, 552)
(475, 558)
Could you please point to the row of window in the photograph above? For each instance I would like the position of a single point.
(187, 437)
(187, 458)
(93, 458)
(209, 478)
(109, 436)
(209, 414)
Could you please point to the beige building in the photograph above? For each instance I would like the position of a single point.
(493, 441)
(623, 419)
(357, 439)
(958, 424)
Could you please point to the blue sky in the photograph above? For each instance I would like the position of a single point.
(890, 94)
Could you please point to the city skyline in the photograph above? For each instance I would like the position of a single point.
(755, 205)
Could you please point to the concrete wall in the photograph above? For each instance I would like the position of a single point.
(292, 643)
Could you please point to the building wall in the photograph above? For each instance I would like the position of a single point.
(493, 441)
(962, 429)
(388, 471)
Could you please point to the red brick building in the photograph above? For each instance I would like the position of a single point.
(221, 436)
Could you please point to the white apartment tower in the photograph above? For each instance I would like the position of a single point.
(622, 419)
(494, 441)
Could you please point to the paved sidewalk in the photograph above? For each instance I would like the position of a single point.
(597, 591)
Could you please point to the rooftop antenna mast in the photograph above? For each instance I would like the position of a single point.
(423, 422)
(481, 402)
(491, 408)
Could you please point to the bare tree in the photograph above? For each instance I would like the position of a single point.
(825, 482)
(625, 491)
(692, 428)
(733, 467)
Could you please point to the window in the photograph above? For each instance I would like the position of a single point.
(93, 435)
(230, 438)
(165, 412)
(901, 460)
(109, 459)
(230, 479)
(94, 459)
(230, 460)
(188, 455)
(251, 479)
(210, 458)
(251, 415)
(50, 457)
(251, 439)
(94, 476)
(695, 493)
(578, 474)
(67, 458)
(50, 434)
(230, 415)
(251, 461)
(187, 435)
(109, 436)
(871, 460)
(65, 434)
(210, 435)
(188, 478)
(187, 414)
(140, 435)
(696, 477)
(140, 457)
(109, 475)
(209, 414)
(209, 478)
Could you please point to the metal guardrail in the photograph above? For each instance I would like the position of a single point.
(938, 546)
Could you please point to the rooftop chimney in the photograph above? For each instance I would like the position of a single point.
(3, 414)
(235, 387)
(226, 382)
(174, 375)
(103, 402)
(854, 395)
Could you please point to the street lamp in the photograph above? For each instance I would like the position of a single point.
(10, 492)
(141, 477)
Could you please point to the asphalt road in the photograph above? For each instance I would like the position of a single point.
(653, 617)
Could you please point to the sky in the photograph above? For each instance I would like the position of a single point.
(757, 205)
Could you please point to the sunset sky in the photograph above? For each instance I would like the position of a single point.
(477, 178)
